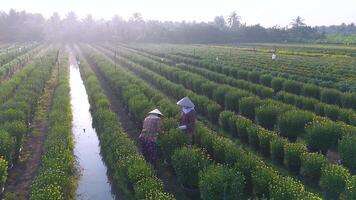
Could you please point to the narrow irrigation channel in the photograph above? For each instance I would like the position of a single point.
(93, 180)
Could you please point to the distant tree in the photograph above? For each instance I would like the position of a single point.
(136, 17)
(234, 21)
(298, 22)
(220, 22)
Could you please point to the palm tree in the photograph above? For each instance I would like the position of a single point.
(297, 22)
(234, 20)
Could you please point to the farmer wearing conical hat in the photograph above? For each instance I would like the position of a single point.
(188, 117)
(148, 136)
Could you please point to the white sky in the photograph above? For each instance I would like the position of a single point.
(266, 13)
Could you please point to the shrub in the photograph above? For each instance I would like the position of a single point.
(219, 94)
(247, 106)
(243, 74)
(319, 109)
(224, 119)
(348, 100)
(232, 100)
(292, 155)
(292, 87)
(213, 112)
(262, 177)
(187, 162)
(330, 96)
(350, 192)
(221, 182)
(159, 196)
(252, 136)
(265, 92)
(264, 139)
(241, 127)
(266, 116)
(254, 77)
(208, 89)
(138, 169)
(6, 145)
(333, 180)
(16, 129)
(306, 103)
(347, 151)
(311, 90)
(3, 172)
(321, 135)
(332, 112)
(277, 83)
(172, 140)
(285, 188)
(147, 185)
(291, 123)
(311, 166)
(266, 80)
(277, 149)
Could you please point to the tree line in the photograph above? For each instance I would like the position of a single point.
(23, 26)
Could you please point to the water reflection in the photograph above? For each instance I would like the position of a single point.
(93, 182)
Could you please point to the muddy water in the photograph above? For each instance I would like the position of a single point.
(93, 182)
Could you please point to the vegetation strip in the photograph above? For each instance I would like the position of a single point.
(111, 73)
(128, 167)
(16, 112)
(56, 176)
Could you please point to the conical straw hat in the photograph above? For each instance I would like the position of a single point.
(185, 102)
(155, 111)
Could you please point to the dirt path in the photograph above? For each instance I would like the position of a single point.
(164, 172)
(25, 168)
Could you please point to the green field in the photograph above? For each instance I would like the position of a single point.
(281, 128)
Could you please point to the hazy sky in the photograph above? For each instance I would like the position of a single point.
(267, 13)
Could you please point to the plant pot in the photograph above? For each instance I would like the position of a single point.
(192, 192)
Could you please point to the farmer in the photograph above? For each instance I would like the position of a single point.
(148, 136)
(188, 117)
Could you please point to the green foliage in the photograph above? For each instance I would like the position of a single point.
(311, 90)
(262, 177)
(293, 153)
(241, 127)
(330, 96)
(232, 100)
(332, 112)
(333, 180)
(348, 100)
(3, 172)
(321, 135)
(291, 123)
(252, 136)
(172, 140)
(266, 80)
(214, 110)
(350, 192)
(285, 188)
(347, 151)
(187, 162)
(221, 182)
(264, 139)
(266, 116)
(148, 185)
(6, 145)
(224, 119)
(247, 106)
(292, 87)
(277, 149)
(277, 84)
(311, 166)
(254, 77)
